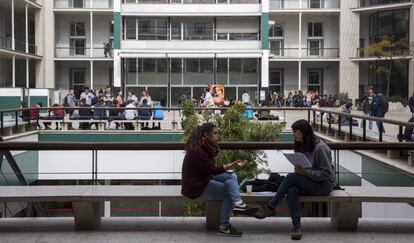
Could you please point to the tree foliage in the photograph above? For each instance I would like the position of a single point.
(234, 127)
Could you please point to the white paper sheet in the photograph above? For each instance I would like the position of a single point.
(298, 159)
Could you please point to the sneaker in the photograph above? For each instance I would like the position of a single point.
(229, 231)
(244, 208)
(264, 211)
(296, 233)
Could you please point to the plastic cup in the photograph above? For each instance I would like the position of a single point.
(249, 188)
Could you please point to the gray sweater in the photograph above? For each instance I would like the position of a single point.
(322, 169)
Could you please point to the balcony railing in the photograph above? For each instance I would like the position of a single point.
(395, 52)
(6, 43)
(83, 52)
(306, 52)
(191, 1)
(300, 4)
(373, 3)
(83, 4)
(192, 34)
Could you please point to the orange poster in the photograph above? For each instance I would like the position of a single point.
(217, 92)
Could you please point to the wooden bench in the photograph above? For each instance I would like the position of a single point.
(88, 201)
(10, 128)
(137, 123)
(102, 124)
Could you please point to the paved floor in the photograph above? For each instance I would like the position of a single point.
(192, 230)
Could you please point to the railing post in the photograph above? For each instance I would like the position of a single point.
(329, 123)
(350, 128)
(17, 120)
(380, 131)
(309, 115)
(364, 130)
(400, 134)
(314, 118)
(320, 129)
(339, 125)
(2, 122)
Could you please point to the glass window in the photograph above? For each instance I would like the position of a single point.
(315, 80)
(198, 71)
(152, 71)
(175, 31)
(230, 93)
(315, 3)
(385, 21)
(315, 30)
(222, 71)
(130, 28)
(276, 31)
(158, 94)
(77, 29)
(131, 64)
(401, 21)
(176, 71)
(243, 71)
(178, 92)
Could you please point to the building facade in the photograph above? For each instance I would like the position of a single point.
(178, 47)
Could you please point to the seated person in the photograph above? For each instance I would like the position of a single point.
(158, 115)
(203, 179)
(249, 113)
(85, 114)
(55, 113)
(408, 132)
(130, 114)
(99, 114)
(145, 114)
(319, 179)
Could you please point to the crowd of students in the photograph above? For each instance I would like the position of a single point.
(83, 108)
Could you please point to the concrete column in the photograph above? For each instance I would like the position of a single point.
(91, 24)
(27, 73)
(299, 75)
(213, 214)
(14, 71)
(26, 23)
(300, 34)
(87, 215)
(91, 66)
(345, 215)
(12, 27)
(265, 69)
(348, 44)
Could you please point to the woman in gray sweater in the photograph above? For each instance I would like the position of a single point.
(316, 180)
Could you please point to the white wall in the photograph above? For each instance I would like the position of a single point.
(191, 9)
(205, 45)
(291, 29)
(290, 74)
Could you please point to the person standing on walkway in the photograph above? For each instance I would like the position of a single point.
(245, 97)
(411, 104)
(202, 179)
(379, 109)
(319, 179)
(366, 107)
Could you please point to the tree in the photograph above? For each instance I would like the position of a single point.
(234, 127)
(386, 51)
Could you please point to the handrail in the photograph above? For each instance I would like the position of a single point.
(180, 145)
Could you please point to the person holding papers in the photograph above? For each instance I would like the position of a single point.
(317, 179)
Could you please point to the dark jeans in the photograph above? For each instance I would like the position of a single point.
(293, 186)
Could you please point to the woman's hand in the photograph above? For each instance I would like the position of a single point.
(239, 163)
(299, 170)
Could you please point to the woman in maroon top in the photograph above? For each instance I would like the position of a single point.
(202, 179)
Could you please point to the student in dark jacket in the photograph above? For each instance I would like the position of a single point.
(378, 102)
(319, 179)
(145, 114)
(85, 114)
(411, 104)
(202, 179)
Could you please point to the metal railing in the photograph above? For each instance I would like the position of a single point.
(306, 52)
(83, 52)
(189, 34)
(6, 43)
(326, 123)
(87, 4)
(191, 1)
(373, 3)
(300, 4)
(396, 52)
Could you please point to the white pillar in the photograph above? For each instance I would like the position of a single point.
(26, 15)
(91, 24)
(12, 27)
(27, 72)
(14, 71)
(91, 74)
(300, 75)
(265, 69)
(300, 34)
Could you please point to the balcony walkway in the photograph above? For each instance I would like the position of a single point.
(180, 229)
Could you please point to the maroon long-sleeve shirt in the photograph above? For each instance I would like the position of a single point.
(198, 168)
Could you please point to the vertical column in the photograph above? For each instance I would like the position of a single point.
(26, 22)
(411, 61)
(300, 34)
(299, 75)
(91, 34)
(117, 43)
(91, 67)
(12, 27)
(264, 33)
(14, 71)
(27, 73)
(348, 43)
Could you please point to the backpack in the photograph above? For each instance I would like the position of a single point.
(384, 105)
(65, 101)
(271, 184)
